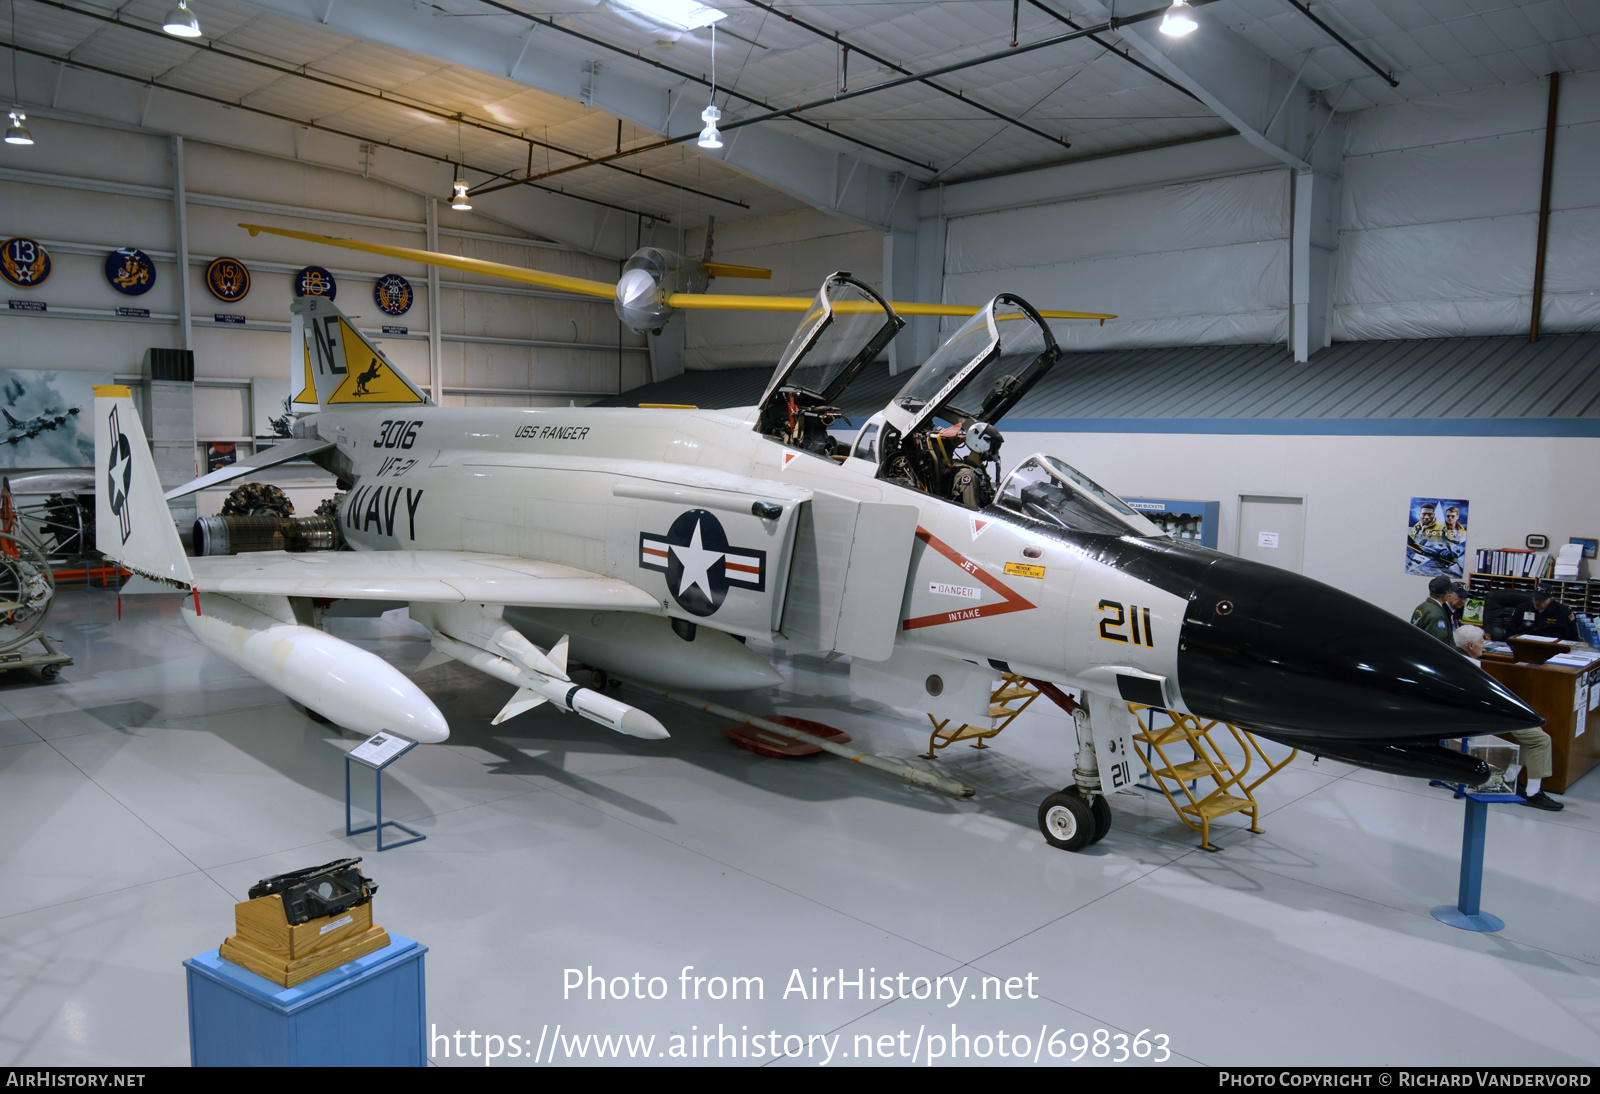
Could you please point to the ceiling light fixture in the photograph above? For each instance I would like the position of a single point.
(458, 188)
(709, 137)
(1179, 20)
(180, 22)
(683, 14)
(16, 132)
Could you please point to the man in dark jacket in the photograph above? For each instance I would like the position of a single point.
(1440, 614)
(1543, 616)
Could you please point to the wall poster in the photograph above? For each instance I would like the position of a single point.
(1436, 541)
(48, 419)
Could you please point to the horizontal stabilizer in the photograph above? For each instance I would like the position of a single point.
(297, 449)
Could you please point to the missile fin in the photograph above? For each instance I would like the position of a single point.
(524, 700)
(558, 654)
(433, 660)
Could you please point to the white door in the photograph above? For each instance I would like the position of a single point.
(1272, 530)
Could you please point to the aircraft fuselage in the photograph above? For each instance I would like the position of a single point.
(666, 499)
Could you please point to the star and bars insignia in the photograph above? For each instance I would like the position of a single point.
(699, 563)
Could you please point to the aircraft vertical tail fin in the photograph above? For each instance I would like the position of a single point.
(12, 422)
(133, 526)
(341, 367)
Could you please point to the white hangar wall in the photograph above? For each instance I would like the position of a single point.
(84, 189)
(1189, 263)
(1357, 490)
(1439, 227)
(1191, 244)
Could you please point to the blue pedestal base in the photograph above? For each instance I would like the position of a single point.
(369, 1012)
(1483, 921)
(1466, 913)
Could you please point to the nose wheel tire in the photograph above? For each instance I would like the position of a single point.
(1102, 817)
(1067, 821)
(1071, 823)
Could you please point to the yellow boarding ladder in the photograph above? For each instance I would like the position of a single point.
(1197, 812)
(1009, 700)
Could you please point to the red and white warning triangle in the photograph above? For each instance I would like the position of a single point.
(978, 525)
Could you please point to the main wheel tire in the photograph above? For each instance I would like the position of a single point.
(1102, 817)
(1067, 821)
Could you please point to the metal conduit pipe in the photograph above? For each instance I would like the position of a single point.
(1544, 207)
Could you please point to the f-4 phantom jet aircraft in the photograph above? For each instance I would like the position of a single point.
(653, 541)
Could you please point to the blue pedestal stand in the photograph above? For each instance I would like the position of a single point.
(1467, 912)
(370, 1012)
(389, 756)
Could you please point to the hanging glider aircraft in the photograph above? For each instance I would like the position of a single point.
(654, 541)
(655, 284)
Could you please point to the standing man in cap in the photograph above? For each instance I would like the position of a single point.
(1543, 616)
(1440, 614)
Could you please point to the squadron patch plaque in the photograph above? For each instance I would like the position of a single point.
(315, 281)
(24, 262)
(228, 280)
(130, 271)
(393, 294)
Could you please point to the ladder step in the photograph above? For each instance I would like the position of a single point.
(1218, 805)
(1002, 712)
(1194, 769)
(1173, 734)
(964, 733)
(1005, 695)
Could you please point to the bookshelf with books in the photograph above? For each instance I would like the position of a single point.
(1580, 596)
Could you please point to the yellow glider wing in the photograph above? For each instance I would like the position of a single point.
(702, 301)
(455, 262)
(803, 303)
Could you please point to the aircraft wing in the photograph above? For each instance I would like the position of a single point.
(438, 576)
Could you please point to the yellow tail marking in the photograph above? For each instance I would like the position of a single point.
(308, 388)
(367, 378)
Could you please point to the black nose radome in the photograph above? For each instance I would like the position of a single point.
(1275, 651)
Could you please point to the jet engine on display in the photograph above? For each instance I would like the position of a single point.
(653, 542)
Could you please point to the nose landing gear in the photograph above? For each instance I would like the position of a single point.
(1070, 822)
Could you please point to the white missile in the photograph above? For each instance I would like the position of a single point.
(534, 689)
(344, 683)
(477, 635)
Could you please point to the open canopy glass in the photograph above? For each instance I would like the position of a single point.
(846, 327)
(981, 372)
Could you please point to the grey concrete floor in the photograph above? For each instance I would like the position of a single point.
(146, 790)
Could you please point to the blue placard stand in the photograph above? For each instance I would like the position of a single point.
(1467, 912)
(379, 824)
(370, 1012)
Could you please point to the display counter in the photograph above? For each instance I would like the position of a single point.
(1569, 699)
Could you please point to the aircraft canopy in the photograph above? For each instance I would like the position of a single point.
(981, 372)
(846, 327)
(1044, 488)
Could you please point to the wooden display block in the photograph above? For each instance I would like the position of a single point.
(267, 945)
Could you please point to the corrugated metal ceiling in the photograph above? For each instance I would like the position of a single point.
(1079, 90)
